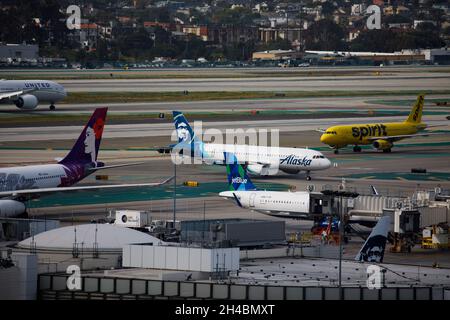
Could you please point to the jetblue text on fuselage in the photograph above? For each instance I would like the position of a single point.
(293, 160)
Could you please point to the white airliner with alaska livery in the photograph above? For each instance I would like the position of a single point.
(259, 160)
(28, 94)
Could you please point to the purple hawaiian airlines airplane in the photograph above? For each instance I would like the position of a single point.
(18, 184)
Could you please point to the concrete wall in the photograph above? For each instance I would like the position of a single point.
(181, 258)
(433, 215)
(320, 251)
(51, 287)
(19, 282)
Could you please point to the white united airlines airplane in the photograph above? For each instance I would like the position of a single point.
(260, 160)
(27, 94)
(19, 184)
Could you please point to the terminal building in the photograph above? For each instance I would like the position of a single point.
(228, 258)
(18, 52)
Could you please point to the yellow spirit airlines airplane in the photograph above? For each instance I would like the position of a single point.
(381, 135)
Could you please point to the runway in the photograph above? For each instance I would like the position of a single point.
(316, 103)
(166, 129)
(418, 81)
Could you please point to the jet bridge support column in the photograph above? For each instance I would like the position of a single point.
(406, 228)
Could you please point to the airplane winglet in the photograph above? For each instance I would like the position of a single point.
(167, 180)
(237, 200)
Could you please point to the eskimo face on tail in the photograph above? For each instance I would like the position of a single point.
(373, 251)
(183, 132)
(373, 248)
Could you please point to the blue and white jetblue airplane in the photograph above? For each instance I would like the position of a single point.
(259, 160)
(285, 204)
(294, 205)
(27, 94)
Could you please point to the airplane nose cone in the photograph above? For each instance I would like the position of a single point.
(327, 163)
(226, 194)
(323, 138)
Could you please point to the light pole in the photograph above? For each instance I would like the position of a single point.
(174, 193)
(341, 238)
(340, 195)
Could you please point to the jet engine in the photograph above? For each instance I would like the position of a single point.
(27, 101)
(290, 171)
(260, 170)
(382, 145)
(255, 169)
(11, 208)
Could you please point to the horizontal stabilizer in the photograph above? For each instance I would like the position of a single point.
(116, 166)
(44, 191)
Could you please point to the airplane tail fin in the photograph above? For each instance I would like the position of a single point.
(415, 116)
(184, 131)
(238, 179)
(86, 148)
(373, 248)
(374, 190)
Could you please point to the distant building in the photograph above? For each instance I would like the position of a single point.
(353, 34)
(440, 56)
(276, 55)
(88, 34)
(399, 25)
(358, 9)
(199, 31)
(388, 58)
(266, 35)
(416, 23)
(164, 25)
(222, 34)
(19, 52)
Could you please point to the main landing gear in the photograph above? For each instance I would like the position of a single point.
(356, 149)
(308, 177)
(387, 150)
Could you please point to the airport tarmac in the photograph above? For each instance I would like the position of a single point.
(375, 168)
(132, 142)
(352, 83)
(165, 128)
(362, 103)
